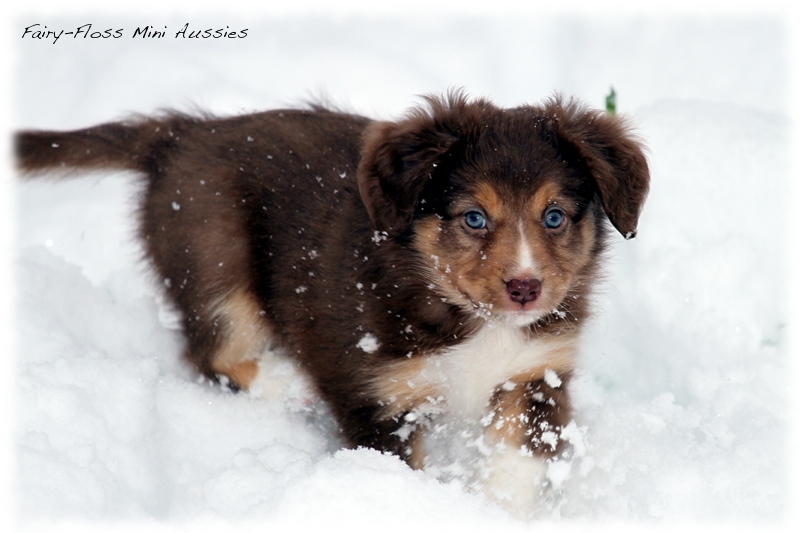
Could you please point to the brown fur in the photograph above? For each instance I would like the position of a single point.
(523, 416)
(344, 242)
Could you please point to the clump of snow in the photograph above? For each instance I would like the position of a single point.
(680, 397)
(369, 343)
(551, 378)
(379, 236)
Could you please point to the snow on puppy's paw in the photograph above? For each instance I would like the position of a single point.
(513, 478)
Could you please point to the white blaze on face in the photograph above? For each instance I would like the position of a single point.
(525, 262)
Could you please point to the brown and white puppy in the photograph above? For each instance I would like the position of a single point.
(431, 270)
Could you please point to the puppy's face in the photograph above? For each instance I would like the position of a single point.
(505, 207)
(509, 247)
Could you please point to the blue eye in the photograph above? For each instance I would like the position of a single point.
(475, 220)
(554, 218)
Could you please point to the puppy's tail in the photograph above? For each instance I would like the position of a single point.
(111, 146)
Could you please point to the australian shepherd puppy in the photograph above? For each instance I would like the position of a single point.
(428, 273)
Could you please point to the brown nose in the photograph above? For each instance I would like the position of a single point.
(524, 290)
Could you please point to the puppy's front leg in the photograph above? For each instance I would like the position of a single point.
(522, 433)
(369, 426)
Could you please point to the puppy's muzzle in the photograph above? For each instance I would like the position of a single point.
(523, 291)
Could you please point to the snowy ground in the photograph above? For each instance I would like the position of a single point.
(681, 399)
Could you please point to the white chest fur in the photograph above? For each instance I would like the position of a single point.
(467, 375)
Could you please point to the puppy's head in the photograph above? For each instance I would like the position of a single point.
(506, 207)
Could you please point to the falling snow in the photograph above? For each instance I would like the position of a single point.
(369, 343)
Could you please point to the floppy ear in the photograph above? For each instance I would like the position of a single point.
(613, 156)
(397, 159)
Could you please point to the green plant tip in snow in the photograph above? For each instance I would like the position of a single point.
(611, 102)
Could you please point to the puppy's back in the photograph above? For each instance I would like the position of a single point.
(224, 204)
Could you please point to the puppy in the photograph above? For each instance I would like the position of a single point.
(427, 274)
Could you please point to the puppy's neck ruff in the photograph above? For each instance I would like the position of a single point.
(467, 374)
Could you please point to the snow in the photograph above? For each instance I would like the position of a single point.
(369, 343)
(551, 378)
(681, 398)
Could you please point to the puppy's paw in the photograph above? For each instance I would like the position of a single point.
(515, 479)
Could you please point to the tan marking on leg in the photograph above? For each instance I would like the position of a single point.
(417, 458)
(511, 474)
(530, 414)
(560, 359)
(402, 386)
(242, 373)
(244, 334)
(508, 423)
(523, 434)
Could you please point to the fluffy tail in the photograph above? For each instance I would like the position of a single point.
(116, 145)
